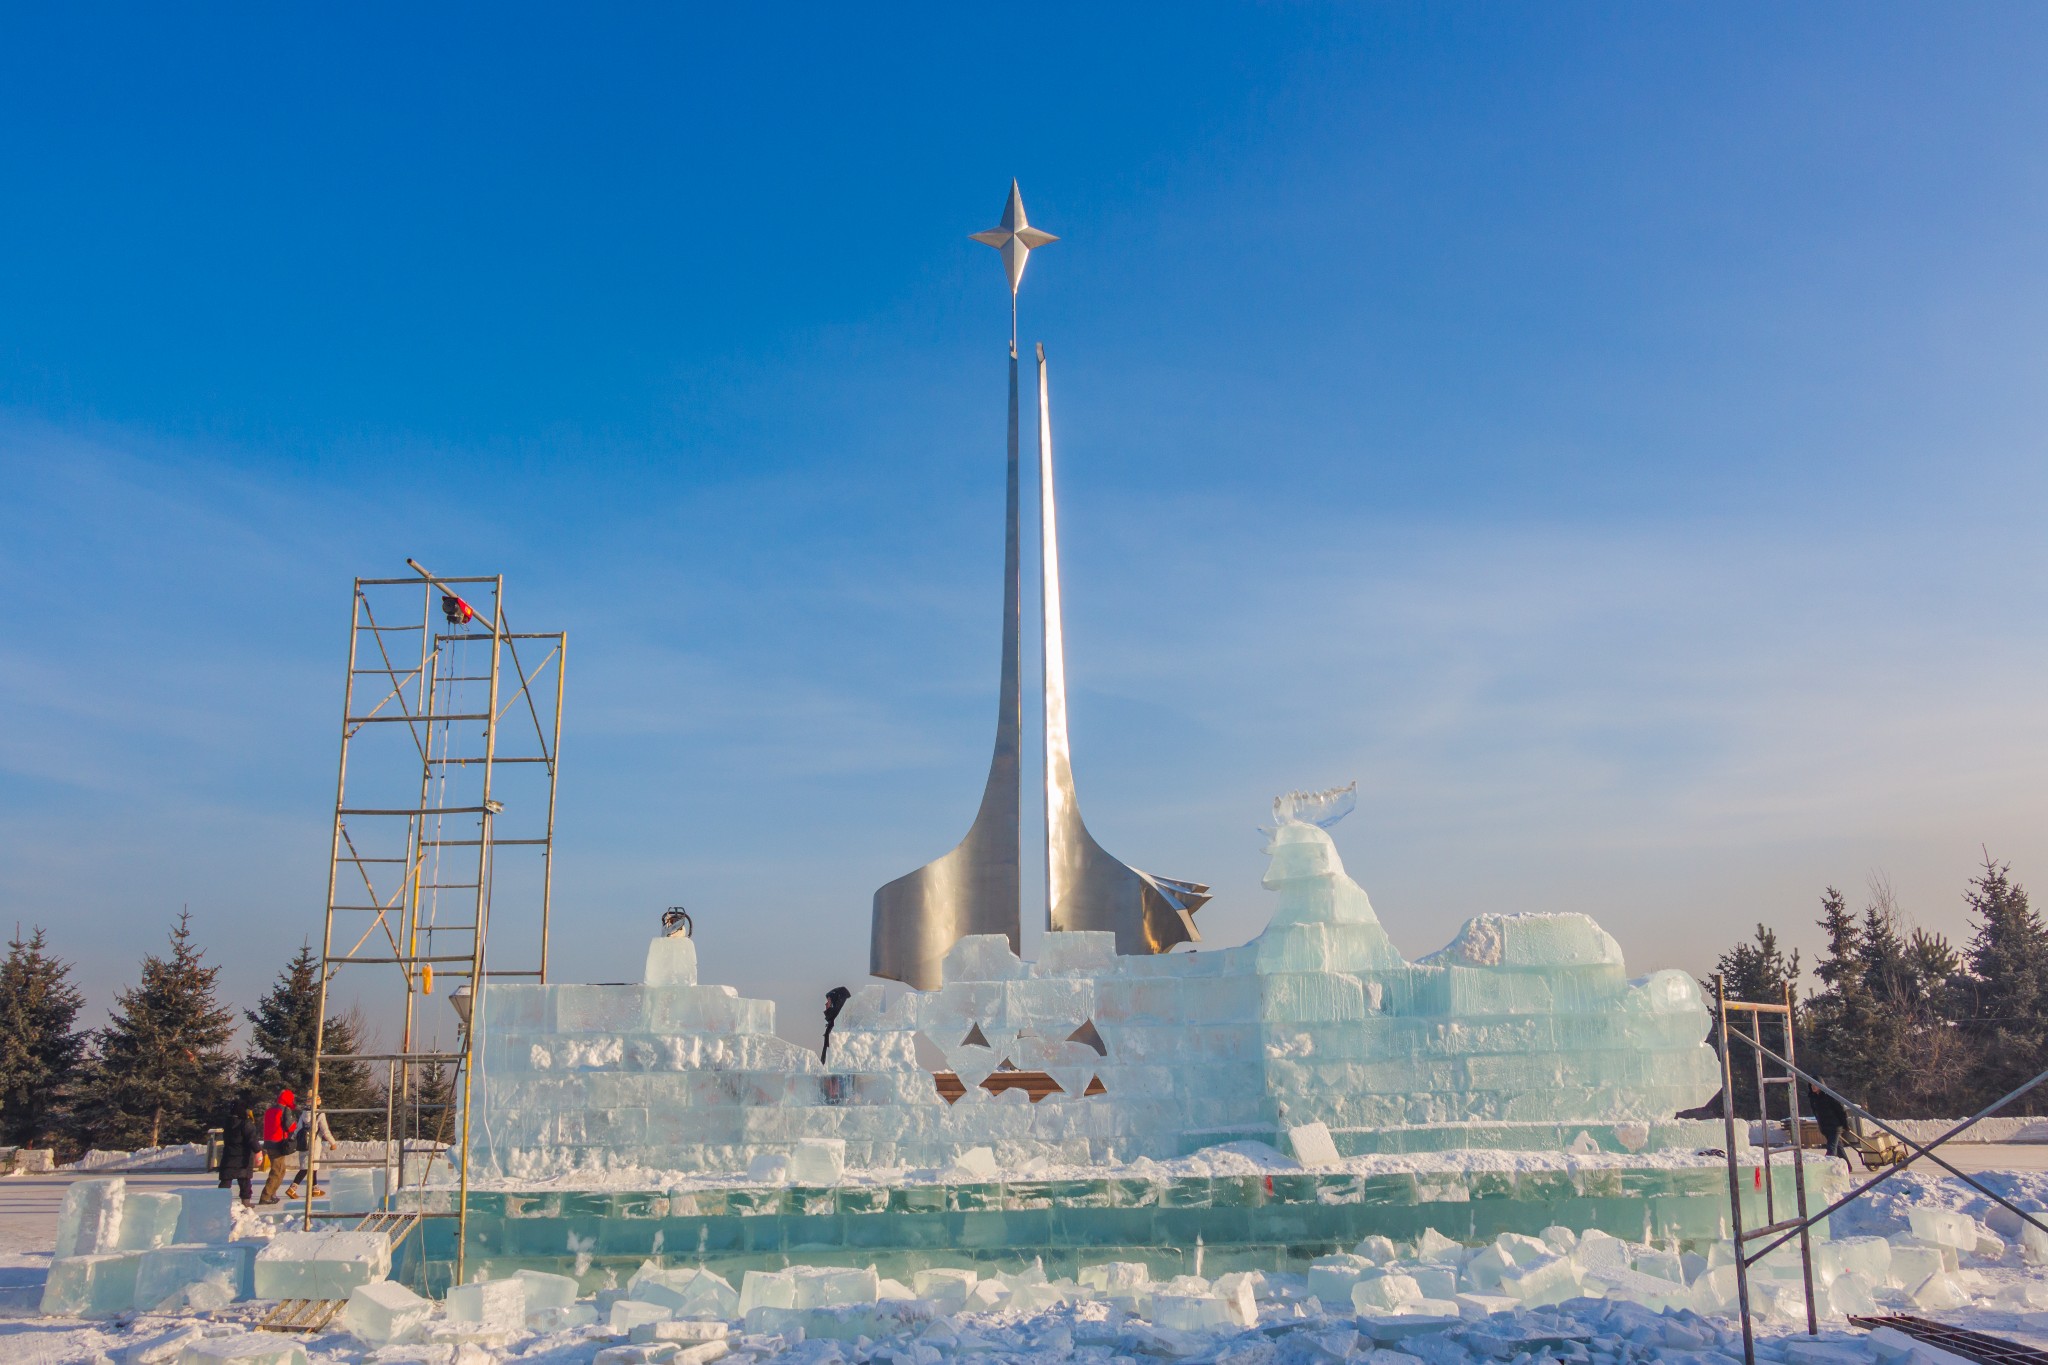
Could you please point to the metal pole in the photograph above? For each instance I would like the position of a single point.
(483, 910)
(1763, 1112)
(1734, 1173)
(547, 850)
(348, 688)
(1799, 1167)
(1919, 1151)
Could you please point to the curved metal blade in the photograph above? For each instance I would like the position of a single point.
(1085, 887)
(974, 888)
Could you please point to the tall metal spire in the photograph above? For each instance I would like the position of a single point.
(975, 888)
(1085, 886)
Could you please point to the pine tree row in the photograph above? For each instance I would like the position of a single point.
(1902, 1021)
(164, 1069)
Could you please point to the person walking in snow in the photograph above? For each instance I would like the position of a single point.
(241, 1137)
(280, 1140)
(310, 1137)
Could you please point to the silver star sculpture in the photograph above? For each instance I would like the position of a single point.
(1016, 239)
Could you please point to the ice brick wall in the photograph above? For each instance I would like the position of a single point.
(1522, 1032)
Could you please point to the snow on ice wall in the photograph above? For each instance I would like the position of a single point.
(1522, 1032)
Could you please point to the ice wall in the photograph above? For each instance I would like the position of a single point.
(1524, 1031)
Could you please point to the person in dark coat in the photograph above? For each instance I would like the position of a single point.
(241, 1137)
(1832, 1118)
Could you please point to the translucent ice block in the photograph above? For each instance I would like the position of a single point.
(672, 961)
(89, 1220)
(321, 1265)
(206, 1214)
(385, 1311)
(148, 1220)
(257, 1348)
(167, 1275)
(1385, 1293)
(767, 1289)
(946, 1287)
(493, 1305)
(354, 1189)
(1550, 1279)
(94, 1286)
(1313, 1145)
(1190, 1312)
(685, 1291)
(545, 1290)
(818, 1161)
(1944, 1227)
(1331, 1278)
(983, 957)
(825, 1287)
(627, 1314)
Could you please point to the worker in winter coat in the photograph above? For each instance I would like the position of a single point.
(241, 1137)
(280, 1140)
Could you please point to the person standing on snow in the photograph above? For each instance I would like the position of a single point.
(311, 1136)
(241, 1137)
(280, 1139)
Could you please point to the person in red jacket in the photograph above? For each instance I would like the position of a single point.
(280, 1133)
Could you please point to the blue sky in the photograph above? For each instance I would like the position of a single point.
(1613, 435)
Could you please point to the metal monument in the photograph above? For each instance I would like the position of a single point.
(975, 888)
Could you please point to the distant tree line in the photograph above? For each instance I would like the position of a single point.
(163, 1069)
(1901, 1020)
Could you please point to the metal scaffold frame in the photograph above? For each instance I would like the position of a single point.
(1781, 1231)
(472, 705)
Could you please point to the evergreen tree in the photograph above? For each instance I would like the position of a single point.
(1758, 972)
(1839, 1020)
(40, 1050)
(2009, 963)
(282, 1036)
(164, 1067)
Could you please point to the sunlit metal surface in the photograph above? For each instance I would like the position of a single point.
(1086, 888)
(974, 888)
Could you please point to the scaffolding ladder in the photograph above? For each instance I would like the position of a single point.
(444, 816)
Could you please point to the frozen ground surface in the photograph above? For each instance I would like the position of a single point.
(1291, 1328)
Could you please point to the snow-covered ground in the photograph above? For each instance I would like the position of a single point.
(1253, 1320)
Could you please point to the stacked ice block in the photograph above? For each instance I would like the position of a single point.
(1525, 1031)
(119, 1249)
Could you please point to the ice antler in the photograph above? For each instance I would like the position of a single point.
(1321, 809)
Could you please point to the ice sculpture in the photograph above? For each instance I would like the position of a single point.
(1524, 1031)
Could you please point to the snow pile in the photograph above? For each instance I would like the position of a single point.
(185, 1156)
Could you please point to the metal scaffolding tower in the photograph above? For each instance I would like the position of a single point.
(444, 820)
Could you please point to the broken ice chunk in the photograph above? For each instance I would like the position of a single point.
(148, 1220)
(767, 1289)
(89, 1220)
(829, 1287)
(206, 1214)
(627, 1314)
(385, 1311)
(1936, 1292)
(492, 1305)
(818, 1161)
(95, 1286)
(1387, 1293)
(1313, 1145)
(167, 1275)
(545, 1290)
(257, 1348)
(321, 1265)
(949, 1288)
(1331, 1279)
